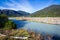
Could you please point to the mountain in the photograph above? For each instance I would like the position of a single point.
(13, 13)
(24, 13)
(51, 11)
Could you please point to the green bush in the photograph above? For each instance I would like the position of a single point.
(3, 20)
(5, 23)
(10, 25)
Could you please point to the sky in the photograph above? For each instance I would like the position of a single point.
(27, 5)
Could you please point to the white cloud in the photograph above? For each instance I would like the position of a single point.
(2, 7)
(24, 5)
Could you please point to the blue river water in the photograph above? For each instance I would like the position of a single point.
(38, 27)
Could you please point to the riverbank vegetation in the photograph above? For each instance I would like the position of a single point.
(21, 34)
(5, 23)
(16, 34)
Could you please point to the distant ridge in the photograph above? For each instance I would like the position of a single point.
(13, 13)
(51, 11)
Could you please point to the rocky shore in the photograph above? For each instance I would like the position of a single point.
(50, 20)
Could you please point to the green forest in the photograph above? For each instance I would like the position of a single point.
(51, 11)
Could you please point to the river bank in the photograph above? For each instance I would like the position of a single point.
(49, 20)
(26, 35)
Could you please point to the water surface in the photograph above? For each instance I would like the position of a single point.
(39, 27)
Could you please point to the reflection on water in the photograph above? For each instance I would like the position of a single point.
(20, 23)
(39, 27)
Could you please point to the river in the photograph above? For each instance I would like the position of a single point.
(38, 27)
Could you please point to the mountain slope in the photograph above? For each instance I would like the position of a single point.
(51, 11)
(13, 13)
(24, 13)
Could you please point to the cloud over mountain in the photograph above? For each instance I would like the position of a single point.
(21, 5)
